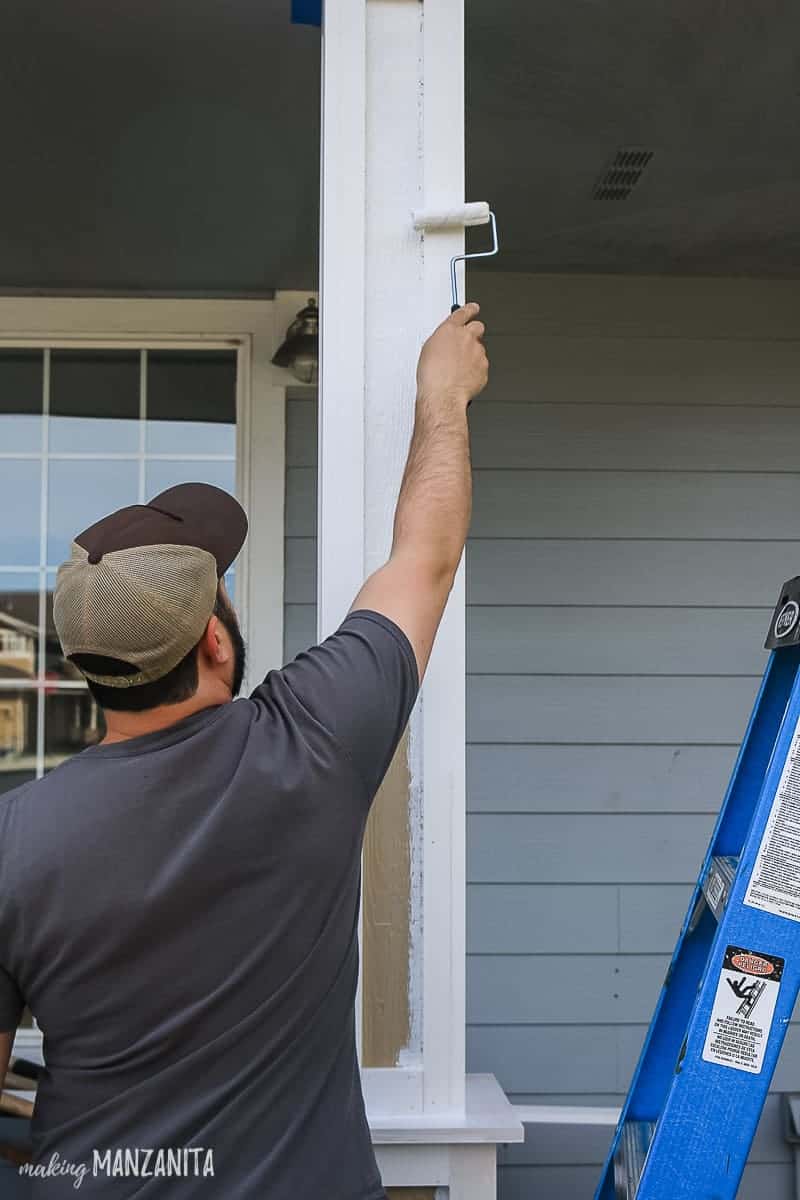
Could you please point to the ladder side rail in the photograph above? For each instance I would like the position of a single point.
(711, 1112)
(661, 1047)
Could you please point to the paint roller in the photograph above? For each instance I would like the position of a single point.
(477, 213)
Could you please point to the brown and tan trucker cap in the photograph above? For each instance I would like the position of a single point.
(141, 583)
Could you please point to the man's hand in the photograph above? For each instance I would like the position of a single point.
(453, 362)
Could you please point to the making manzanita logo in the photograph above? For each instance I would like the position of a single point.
(124, 1163)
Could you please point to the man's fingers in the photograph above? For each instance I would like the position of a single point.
(478, 328)
(462, 316)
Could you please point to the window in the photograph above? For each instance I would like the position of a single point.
(84, 431)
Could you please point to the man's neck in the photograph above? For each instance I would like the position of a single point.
(120, 726)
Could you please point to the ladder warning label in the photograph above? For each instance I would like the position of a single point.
(774, 885)
(744, 1005)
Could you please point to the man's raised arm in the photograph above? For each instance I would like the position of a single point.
(434, 505)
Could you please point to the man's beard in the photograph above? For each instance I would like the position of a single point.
(227, 615)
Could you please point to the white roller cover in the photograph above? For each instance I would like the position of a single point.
(450, 218)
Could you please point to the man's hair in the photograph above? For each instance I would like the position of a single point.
(177, 685)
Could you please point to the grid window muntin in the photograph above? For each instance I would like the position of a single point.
(216, 467)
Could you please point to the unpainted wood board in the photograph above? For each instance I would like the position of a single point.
(592, 848)
(576, 640)
(657, 437)
(618, 709)
(386, 918)
(633, 504)
(614, 571)
(611, 778)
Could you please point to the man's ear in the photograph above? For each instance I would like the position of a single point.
(212, 644)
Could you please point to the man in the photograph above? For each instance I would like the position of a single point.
(178, 904)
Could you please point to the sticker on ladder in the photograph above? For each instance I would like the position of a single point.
(774, 885)
(744, 1006)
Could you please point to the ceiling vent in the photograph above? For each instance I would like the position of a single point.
(621, 176)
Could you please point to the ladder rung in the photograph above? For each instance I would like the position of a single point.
(718, 882)
(629, 1160)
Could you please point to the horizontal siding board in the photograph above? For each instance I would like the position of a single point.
(611, 571)
(301, 432)
(632, 306)
(541, 919)
(532, 778)
(651, 916)
(301, 502)
(554, 848)
(634, 504)
(761, 1181)
(582, 1059)
(299, 629)
(523, 989)
(564, 1145)
(572, 640)
(587, 708)
(300, 578)
(611, 436)
(559, 1059)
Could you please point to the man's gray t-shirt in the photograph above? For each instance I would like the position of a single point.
(180, 912)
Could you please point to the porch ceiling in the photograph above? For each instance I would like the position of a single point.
(173, 146)
(167, 146)
(712, 87)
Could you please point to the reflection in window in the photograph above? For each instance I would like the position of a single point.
(80, 493)
(72, 722)
(109, 412)
(191, 402)
(21, 391)
(19, 626)
(17, 736)
(20, 505)
(94, 401)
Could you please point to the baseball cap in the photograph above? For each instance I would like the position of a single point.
(141, 583)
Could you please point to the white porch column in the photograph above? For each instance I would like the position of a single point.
(393, 141)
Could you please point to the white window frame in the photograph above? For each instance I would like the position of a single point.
(254, 329)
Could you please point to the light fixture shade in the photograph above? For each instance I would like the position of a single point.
(300, 349)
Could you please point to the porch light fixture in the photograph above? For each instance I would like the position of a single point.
(300, 349)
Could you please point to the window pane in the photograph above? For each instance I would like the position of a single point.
(165, 473)
(19, 625)
(72, 721)
(21, 399)
(191, 402)
(80, 493)
(17, 737)
(20, 504)
(94, 401)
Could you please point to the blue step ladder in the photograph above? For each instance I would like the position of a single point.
(705, 1069)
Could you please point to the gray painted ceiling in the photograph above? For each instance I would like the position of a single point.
(169, 145)
(712, 87)
(172, 145)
